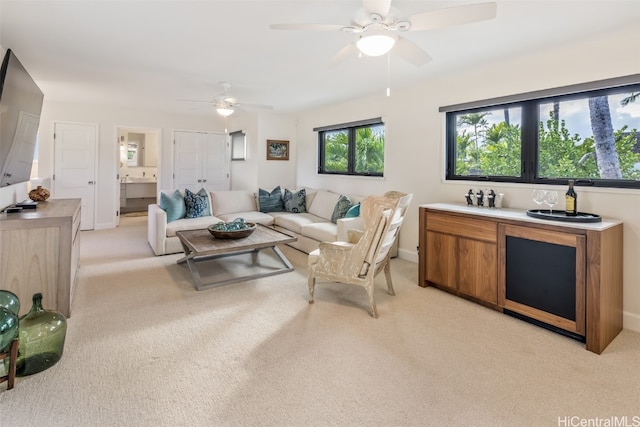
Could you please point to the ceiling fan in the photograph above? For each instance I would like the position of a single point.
(226, 105)
(379, 27)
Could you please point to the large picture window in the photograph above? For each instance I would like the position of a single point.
(588, 133)
(352, 148)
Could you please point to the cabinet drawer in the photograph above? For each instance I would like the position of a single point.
(472, 228)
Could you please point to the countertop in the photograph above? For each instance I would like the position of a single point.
(520, 215)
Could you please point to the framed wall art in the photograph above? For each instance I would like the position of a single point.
(277, 149)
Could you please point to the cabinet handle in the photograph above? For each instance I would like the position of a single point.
(91, 182)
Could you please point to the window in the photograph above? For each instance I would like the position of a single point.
(352, 148)
(589, 133)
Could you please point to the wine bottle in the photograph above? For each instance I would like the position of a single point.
(571, 201)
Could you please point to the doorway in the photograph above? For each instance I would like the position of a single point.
(138, 153)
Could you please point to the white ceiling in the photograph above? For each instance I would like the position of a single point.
(149, 54)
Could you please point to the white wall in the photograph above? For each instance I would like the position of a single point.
(108, 119)
(415, 138)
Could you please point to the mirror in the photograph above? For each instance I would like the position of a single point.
(138, 149)
(238, 145)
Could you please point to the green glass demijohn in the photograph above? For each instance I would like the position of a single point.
(41, 339)
(10, 301)
(9, 310)
(8, 328)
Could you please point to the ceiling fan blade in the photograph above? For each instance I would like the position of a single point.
(411, 52)
(452, 16)
(307, 27)
(342, 54)
(195, 100)
(381, 7)
(253, 106)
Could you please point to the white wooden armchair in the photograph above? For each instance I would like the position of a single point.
(358, 261)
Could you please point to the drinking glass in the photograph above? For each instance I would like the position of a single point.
(551, 199)
(539, 196)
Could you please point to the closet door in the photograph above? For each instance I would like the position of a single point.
(201, 160)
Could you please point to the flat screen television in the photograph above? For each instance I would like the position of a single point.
(20, 109)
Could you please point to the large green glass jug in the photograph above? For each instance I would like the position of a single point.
(41, 339)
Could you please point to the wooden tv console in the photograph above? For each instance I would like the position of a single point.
(464, 250)
(40, 252)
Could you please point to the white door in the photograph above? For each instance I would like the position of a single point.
(75, 167)
(201, 161)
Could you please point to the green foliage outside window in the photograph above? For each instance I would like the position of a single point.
(357, 150)
(336, 151)
(488, 145)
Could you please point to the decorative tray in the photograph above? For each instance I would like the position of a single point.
(562, 216)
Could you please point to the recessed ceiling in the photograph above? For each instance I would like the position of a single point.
(149, 54)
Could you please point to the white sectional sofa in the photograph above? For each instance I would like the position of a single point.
(310, 228)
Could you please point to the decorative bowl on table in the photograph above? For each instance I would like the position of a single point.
(237, 229)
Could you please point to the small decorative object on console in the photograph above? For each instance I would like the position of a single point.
(236, 229)
(41, 339)
(39, 194)
(470, 196)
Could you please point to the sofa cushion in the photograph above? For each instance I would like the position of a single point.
(270, 201)
(295, 201)
(353, 212)
(320, 231)
(323, 204)
(342, 206)
(295, 222)
(173, 205)
(225, 202)
(251, 216)
(196, 204)
(190, 224)
(310, 194)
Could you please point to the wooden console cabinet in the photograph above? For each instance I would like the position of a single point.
(463, 250)
(40, 252)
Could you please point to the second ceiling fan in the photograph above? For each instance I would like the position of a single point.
(379, 28)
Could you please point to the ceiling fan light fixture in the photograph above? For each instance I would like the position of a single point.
(375, 43)
(224, 112)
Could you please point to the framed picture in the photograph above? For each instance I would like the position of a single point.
(277, 150)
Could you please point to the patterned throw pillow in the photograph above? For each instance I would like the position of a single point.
(295, 202)
(353, 212)
(270, 202)
(173, 205)
(197, 204)
(342, 206)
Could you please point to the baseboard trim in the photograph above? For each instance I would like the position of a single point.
(631, 321)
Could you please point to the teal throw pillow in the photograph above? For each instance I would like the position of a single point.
(196, 204)
(353, 212)
(295, 202)
(270, 201)
(342, 206)
(173, 205)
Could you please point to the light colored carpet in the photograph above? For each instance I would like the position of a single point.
(145, 349)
